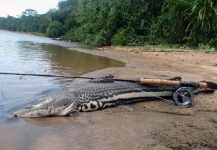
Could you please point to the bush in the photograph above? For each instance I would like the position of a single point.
(123, 37)
(55, 29)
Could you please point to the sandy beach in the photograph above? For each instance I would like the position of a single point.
(148, 125)
(159, 124)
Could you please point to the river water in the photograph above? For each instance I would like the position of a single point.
(21, 53)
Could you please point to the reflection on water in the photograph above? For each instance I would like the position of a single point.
(31, 54)
(76, 63)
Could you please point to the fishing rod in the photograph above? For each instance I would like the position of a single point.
(61, 76)
(43, 75)
(182, 96)
(156, 82)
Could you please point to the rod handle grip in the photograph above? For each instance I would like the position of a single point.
(203, 85)
(159, 82)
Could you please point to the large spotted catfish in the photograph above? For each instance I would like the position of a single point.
(91, 95)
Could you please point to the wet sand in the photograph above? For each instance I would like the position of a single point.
(145, 125)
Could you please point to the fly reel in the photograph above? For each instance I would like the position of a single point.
(183, 96)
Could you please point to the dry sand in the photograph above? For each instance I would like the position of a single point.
(151, 125)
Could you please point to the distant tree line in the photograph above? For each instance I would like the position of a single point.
(124, 22)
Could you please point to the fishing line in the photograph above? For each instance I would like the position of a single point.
(2, 102)
(2, 93)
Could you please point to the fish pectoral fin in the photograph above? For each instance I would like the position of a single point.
(66, 110)
(43, 102)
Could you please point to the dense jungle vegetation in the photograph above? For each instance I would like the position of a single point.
(124, 22)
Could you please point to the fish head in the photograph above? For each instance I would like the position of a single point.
(53, 105)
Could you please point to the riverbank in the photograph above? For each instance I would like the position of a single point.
(159, 124)
(148, 125)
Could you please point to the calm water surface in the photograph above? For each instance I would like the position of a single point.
(22, 53)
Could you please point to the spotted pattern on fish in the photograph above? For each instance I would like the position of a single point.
(91, 95)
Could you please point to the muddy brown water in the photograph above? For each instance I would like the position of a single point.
(22, 53)
(31, 54)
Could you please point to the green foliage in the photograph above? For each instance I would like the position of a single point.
(99, 21)
(124, 37)
(124, 22)
(186, 21)
(55, 29)
(29, 21)
(30, 12)
(206, 48)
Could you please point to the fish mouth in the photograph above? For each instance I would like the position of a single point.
(44, 112)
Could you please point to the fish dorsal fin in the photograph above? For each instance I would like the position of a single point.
(106, 79)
